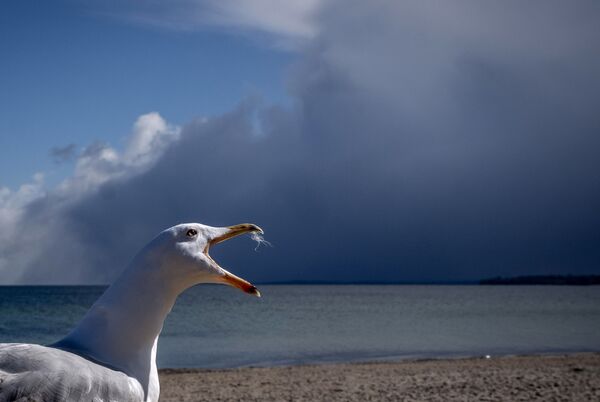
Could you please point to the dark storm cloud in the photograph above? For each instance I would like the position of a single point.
(424, 143)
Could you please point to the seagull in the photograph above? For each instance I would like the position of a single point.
(111, 354)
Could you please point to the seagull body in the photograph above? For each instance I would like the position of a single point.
(111, 354)
(41, 373)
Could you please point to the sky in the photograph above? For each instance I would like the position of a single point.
(373, 141)
(73, 75)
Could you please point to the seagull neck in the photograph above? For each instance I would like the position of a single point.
(121, 329)
(131, 312)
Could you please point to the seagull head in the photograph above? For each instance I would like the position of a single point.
(180, 254)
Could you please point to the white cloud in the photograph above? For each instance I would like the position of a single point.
(13, 203)
(287, 23)
(13, 206)
(151, 135)
(99, 163)
(96, 165)
(293, 18)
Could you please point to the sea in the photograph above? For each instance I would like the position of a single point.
(220, 327)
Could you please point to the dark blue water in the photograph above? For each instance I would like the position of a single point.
(215, 326)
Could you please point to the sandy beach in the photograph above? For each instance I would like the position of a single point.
(573, 377)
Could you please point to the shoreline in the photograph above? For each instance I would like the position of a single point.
(547, 377)
(391, 359)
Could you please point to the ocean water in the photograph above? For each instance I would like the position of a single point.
(216, 326)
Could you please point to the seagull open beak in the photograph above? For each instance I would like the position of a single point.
(227, 277)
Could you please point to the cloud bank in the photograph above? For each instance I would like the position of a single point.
(422, 143)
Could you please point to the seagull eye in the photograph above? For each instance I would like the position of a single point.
(191, 233)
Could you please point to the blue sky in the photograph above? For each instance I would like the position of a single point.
(73, 75)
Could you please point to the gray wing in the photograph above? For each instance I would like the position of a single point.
(40, 373)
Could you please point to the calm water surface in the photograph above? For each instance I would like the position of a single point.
(213, 326)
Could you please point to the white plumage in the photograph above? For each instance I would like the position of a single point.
(111, 354)
(41, 373)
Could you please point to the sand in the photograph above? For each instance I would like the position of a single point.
(522, 378)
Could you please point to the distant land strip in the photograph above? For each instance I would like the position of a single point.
(580, 280)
